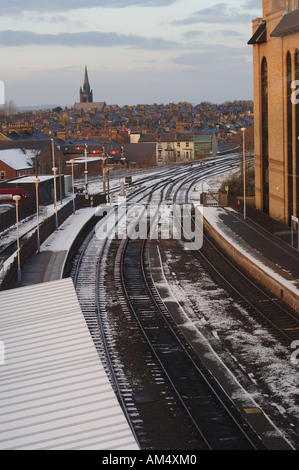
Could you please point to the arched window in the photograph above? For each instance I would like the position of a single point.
(290, 136)
(297, 131)
(265, 136)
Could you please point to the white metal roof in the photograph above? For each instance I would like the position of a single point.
(54, 391)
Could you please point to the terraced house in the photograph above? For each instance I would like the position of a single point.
(275, 43)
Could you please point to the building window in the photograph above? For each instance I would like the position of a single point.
(2, 175)
(265, 136)
(290, 137)
(294, 4)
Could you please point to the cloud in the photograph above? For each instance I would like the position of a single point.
(232, 33)
(253, 5)
(193, 34)
(19, 6)
(11, 38)
(214, 57)
(219, 13)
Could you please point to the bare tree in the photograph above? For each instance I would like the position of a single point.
(8, 110)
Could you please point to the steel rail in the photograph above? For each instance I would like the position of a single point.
(246, 279)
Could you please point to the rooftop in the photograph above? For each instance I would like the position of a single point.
(55, 394)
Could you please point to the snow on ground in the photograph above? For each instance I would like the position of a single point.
(95, 185)
(208, 308)
(27, 227)
(63, 239)
(211, 215)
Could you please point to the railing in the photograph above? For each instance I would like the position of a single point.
(214, 198)
(29, 248)
(8, 219)
(273, 226)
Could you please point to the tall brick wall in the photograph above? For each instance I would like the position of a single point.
(275, 51)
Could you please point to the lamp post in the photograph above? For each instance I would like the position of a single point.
(103, 158)
(104, 170)
(16, 199)
(123, 158)
(107, 167)
(244, 171)
(73, 186)
(86, 171)
(37, 213)
(54, 169)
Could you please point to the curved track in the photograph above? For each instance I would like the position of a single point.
(206, 408)
(132, 288)
(280, 318)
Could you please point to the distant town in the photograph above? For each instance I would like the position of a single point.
(175, 132)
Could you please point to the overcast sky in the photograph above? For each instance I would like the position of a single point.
(136, 51)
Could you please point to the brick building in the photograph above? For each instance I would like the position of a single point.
(14, 163)
(19, 158)
(137, 155)
(171, 147)
(275, 43)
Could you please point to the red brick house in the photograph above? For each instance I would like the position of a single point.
(19, 158)
(13, 163)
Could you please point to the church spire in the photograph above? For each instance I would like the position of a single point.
(86, 95)
(86, 81)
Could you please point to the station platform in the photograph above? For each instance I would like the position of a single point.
(270, 260)
(48, 265)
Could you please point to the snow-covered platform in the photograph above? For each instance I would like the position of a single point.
(48, 265)
(274, 263)
(55, 394)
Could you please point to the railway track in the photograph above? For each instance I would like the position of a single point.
(262, 305)
(207, 410)
(135, 338)
(280, 318)
(96, 285)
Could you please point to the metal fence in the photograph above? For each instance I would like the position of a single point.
(8, 219)
(213, 198)
(280, 230)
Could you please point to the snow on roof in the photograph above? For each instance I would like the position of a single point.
(16, 159)
(30, 179)
(55, 394)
